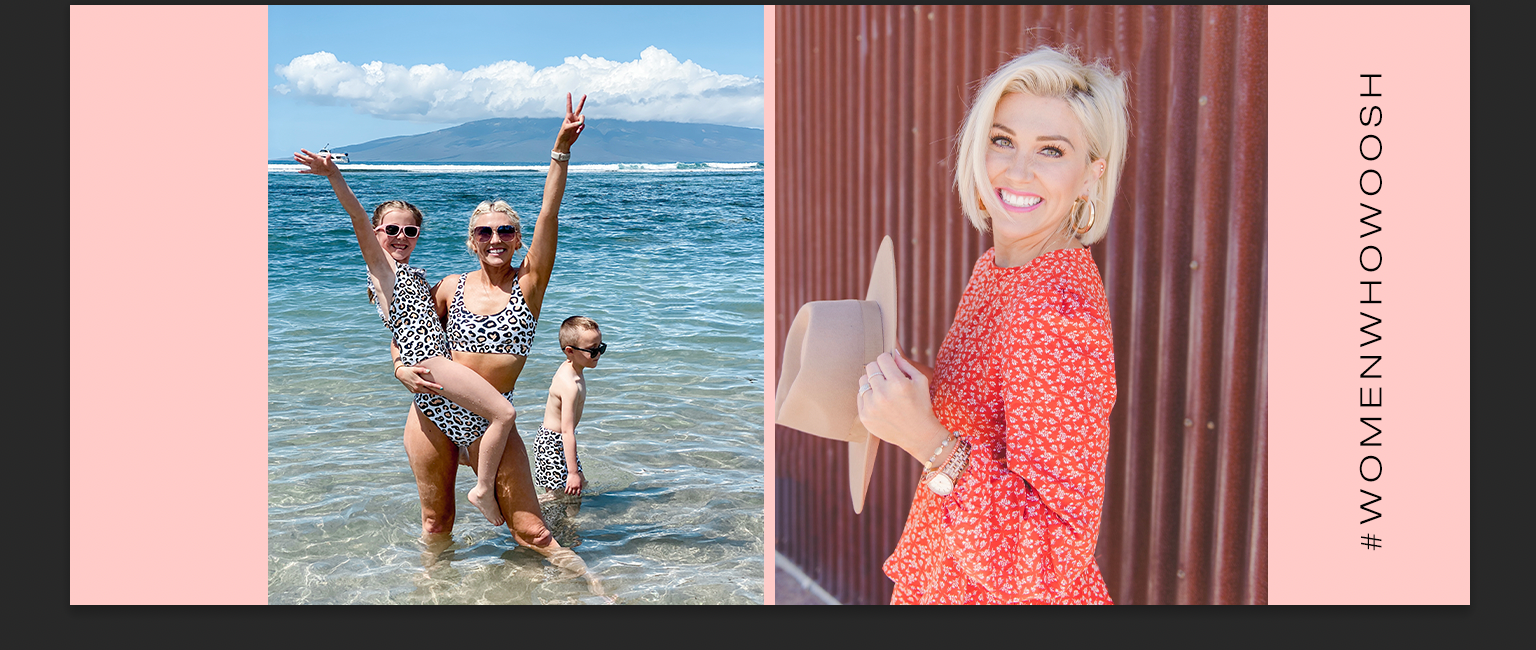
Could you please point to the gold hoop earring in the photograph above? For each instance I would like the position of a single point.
(1077, 216)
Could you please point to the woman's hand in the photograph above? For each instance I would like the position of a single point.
(318, 165)
(417, 380)
(574, 124)
(921, 367)
(895, 407)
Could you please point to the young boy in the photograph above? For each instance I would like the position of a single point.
(558, 469)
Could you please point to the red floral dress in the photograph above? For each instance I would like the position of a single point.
(1026, 375)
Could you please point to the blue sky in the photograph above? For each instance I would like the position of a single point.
(442, 66)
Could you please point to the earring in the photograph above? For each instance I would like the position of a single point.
(1077, 215)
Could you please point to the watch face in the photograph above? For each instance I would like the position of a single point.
(941, 485)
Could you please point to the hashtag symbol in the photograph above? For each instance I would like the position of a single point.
(1370, 542)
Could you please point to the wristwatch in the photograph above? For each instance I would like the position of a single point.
(942, 481)
(561, 156)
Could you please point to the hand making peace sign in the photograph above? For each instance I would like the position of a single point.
(574, 123)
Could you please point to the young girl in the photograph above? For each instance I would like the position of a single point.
(405, 304)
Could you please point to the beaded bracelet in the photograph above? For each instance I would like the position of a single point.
(928, 464)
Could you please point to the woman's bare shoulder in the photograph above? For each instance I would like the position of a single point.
(447, 284)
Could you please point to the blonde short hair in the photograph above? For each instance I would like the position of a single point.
(492, 206)
(1097, 97)
(572, 325)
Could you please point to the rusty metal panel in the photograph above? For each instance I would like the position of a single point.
(868, 101)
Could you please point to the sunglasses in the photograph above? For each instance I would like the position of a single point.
(592, 352)
(392, 229)
(483, 233)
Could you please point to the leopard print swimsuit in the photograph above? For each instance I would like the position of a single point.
(412, 319)
(549, 456)
(509, 331)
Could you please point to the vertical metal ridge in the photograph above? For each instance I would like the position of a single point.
(1244, 279)
(1256, 568)
(1207, 304)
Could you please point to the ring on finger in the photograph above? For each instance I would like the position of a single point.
(865, 388)
(877, 374)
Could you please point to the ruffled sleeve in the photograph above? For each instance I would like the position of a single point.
(995, 532)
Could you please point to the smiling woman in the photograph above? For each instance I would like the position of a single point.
(1062, 129)
(1012, 423)
(488, 320)
(1037, 173)
(404, 301)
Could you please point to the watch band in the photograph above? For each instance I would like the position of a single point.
(942, 481)
(957, 460)
(562, 157)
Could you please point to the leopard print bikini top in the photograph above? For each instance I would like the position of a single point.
(509, 331)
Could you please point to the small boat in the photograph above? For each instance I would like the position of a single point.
(337, 157)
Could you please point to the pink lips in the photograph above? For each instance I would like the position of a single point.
(1015, 208)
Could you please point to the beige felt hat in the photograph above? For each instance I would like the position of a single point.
(828, 346)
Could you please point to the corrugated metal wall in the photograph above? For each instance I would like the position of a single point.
(868, 101)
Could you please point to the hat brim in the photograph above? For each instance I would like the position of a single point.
(882, 292)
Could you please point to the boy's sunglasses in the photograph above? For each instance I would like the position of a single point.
(392, 229)
(483, 233)
(592, 352)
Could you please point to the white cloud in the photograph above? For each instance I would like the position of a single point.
(654, 87)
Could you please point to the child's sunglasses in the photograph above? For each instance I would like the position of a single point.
(483, 233)
(393, 229)
(592, 352)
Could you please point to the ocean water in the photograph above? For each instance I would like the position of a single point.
(668, 259)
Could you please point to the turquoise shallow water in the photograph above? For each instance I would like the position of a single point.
(667, 260)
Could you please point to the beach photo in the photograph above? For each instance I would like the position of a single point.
(515, 305)
(1019, 304)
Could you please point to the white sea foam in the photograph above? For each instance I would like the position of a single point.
(476, 169)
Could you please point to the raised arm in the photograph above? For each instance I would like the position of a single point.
(540, 260)
(380, 265)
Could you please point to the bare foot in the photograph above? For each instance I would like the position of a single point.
(568, 560)
(484, 498)
(432, 547)
(565, 559)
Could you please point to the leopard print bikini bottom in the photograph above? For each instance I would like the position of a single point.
(460, 424)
